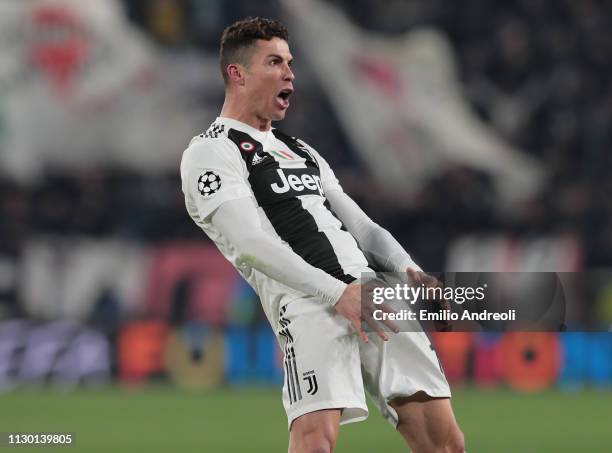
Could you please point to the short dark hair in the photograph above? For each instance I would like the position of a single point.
(238, 39)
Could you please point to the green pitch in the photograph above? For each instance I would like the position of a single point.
(166, 420)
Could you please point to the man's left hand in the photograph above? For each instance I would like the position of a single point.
(429, 281)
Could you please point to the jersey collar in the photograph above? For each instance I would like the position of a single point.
(243, 127)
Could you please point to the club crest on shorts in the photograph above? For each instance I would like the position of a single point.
(247, 146)
(311, 378)
(209, 183)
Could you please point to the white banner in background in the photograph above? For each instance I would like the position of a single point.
(400, 103)
(481, 253)
(80, 87)
(65, 278)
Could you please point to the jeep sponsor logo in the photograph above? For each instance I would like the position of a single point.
(298, 183)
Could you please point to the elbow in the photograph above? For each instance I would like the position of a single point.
(245, 251)
(246, 259)
(242, 253)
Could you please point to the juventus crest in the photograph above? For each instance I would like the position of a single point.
(311, 378)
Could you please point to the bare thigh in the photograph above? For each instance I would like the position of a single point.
(315, 432)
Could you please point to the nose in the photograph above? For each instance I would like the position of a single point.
(288, 75)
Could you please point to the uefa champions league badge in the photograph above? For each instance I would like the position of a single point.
(247, 146)
(209, 183)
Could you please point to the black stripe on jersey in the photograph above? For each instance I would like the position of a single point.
(294, 224)
(373, 266)
(302, 151)
(247, 152)
(296, 147)
(329, 208)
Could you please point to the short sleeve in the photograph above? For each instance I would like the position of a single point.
(328, 178)
(213, 173)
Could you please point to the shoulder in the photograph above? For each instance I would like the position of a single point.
(213, 138)
(212, 144)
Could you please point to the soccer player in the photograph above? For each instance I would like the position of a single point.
(274, 208)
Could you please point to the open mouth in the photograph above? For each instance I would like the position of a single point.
(283, 97)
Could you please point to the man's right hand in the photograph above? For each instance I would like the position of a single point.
(351, 307)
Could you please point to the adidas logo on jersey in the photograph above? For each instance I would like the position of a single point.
(298, 183)
(257, 158)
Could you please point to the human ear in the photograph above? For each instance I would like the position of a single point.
(235, 73)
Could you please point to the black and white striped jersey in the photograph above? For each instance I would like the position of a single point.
(287, 179)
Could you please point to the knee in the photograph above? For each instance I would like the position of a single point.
(449, 440)
(319, 440)
(322, 447)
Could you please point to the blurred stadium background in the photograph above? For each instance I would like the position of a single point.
(479, 132)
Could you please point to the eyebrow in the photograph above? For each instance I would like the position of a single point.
(274, 55)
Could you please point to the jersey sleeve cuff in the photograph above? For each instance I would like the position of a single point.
(402, 261)
(331, 295)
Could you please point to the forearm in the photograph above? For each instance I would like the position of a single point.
(259, 250)
(383, 249)
(266, 254)
(378, 245)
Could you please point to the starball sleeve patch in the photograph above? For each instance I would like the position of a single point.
(209, 183)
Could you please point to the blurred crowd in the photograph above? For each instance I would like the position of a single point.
(537, 70)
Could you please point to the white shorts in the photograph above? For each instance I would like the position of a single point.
(327, 365)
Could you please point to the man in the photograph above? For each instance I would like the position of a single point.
(274, 208)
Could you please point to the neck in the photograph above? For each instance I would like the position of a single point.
(239, 111)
